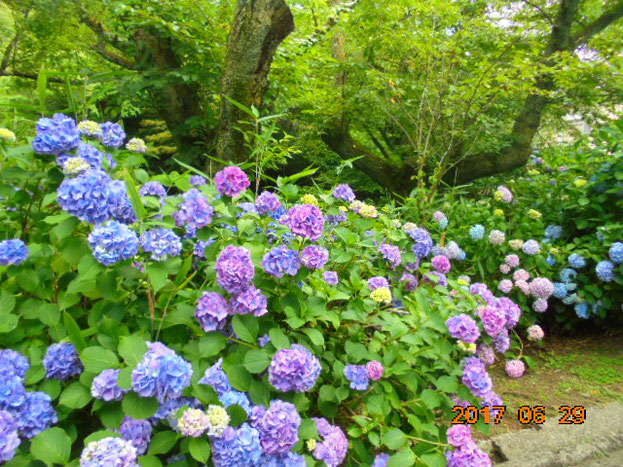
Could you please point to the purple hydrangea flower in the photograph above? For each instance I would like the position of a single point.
(231, 181)
(137, 432)
(212, 311)
(267, 202)
(153, 188)
(108, 452)
(281, 260)
(195, 212)
(87, 196)
(441, 264)
(161, 373)
(294, 369)
(463, 327)
(161, 243)
(57, 134)
(62, 361)
(234, 269)
(459, 435)
(13, 363)
(201, 246)
(475, 376)
(197, 180)
(391, 253)
(493, 320)
(344, 192)
(512, 311)
(330, 277)
(113, 242)
(540, 305)
(377, 282)
(375, 370)
(410, 281)
(105, 386)
(306, 220)
(436, 278)
(251, 300)
(36, 414)
(238, 447)
(502, 341)
(358, 377)
(468, 455)
(314, 256)
(423, 242)
(505, 286)
(486, 354)
(278, 427)
(263, 340)
(112, 135)
(9, 438)
(13, 252)
(334, 445)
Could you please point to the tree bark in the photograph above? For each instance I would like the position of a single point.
(258, 29)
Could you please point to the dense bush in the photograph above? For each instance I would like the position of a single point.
(189, 320)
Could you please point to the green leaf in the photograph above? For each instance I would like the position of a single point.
(149, 461)
(315, 336)
(448, 384)
(394, 438)
(135, 197)
(259, 393)
(430, 398)
(162, 442)
(212, 344)
(49, 314)
(97, 359)
(99, 435)
(124, 381)
(75, 396)
(401, 459)
(434, 459)
(132, 348)
(278, 338)
(157, 273)
(7, 302)
(52, 446)
(308, 429)
(139, 407)
(42, 86)
(73, 331)
(200, 449)
(256, 361)
(237, 414)
(8, 322)
(246, 326)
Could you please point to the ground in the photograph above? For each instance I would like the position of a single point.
(586, 371)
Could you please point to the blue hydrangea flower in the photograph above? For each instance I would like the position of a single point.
(168, 410)
(576, 261)
(550, 260)
(109, 452)
(232, 397)
(13, 252)
(87, 196)
(89, 153)
(582, 310)
(568, 274)
(13, 363)
(113, 242)
(289, 459)
(553, 232)
(36, 414)
(560, 290)
(358, 377)
(137, 432)
(443, 223)
(195, 212)
(62, 361)
(161, 373)
(112, 135)
(571, 299)
(281, 260)
(423, 242)
(105, 387)
(616, 253)
(161, 243)
(217, 378)
(121, 207)
(605, 271)
(477, 232)
(238, 447)
(153, 188)
(12, 393)
(200, 247)
(9, 438)
(55, 135)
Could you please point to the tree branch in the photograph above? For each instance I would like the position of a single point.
(601, 23)
(33, 76)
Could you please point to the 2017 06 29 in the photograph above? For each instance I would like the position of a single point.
(470, 415)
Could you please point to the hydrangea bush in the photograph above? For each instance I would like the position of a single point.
(181, 318)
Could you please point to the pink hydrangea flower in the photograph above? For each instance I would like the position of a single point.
(375, 370)
(515, 368)
(523, 286)
(521, 275)
(535, 333)
(231, 181)
(505, 286)
(512, 260)
(505, 268)
(540, 305)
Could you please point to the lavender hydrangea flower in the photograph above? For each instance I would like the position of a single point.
(463, 327)
(497, 237)
(234, 269)
(344, 192)
(231, 181)
(161, 373)
(197, 180)
(493, 320)
(212, 311)
(306, 220)
(531, 247)
(251, 300)
(113, 242)
(62, 361)
(423, 243)
(330, 277)
(161, 243)
(535, 333)
(9, 438)
(281, 260)
(137, 432)
(391, 253)
(201, 246)
(87, 196)
(504, 194)
(153, 188)
(13, 363)
(267, 202)
(314, 257)
(278, 427)
(334, 446)
(105, 386)
(195, 212)
(441, 264)
(541, 287)
(113, 135)
(57, 134)
(13, 252)
(436, 278)
(616, 252)
(238, 447)
(294, 369)
(475, 376)
(477, 232)
(377, 282)
(605, 271)
(107, 452)
(358, 377)
(36, 414)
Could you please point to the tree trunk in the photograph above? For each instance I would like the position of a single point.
(258, 29)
